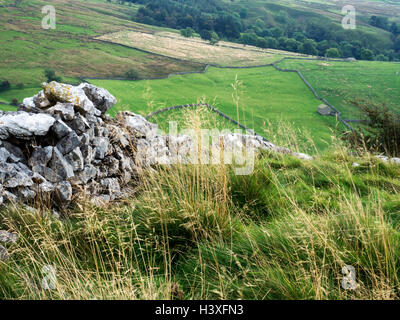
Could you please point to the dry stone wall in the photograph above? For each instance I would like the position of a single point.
(61, 144)
(61, 141)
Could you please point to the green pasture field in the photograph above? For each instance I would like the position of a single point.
(343, 82)
(185, 117)
(7, 96)
(266, 96)
(6, 107)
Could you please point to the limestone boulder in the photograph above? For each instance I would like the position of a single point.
(61, 92)
(101, 98)
(23, 125)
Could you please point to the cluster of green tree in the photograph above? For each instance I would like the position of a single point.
(205, 17)
(276, 28)
(132, 74)
(392, 27)
(50, 75)
(5, 85)
(383, 23)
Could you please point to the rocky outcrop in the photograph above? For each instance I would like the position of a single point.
(23, 125)
(61, 143)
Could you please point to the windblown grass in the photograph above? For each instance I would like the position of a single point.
(200, 231)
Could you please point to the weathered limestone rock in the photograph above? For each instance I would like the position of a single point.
(137, 124)
(16, 154)
(88, 152)
(8, 237)
(41, 101)
(48, 173)
(46, 187)
(60, 165)
(10, 197)
(19, 179)
(111, 187)
(68, 143)
(102, 99)
(302, 156)
(101, 200)
(112, 165)
(65, 110)
(41, 156)
(64, 191)
(60, 92)
(89, 173)
(28, 105)
(101, 147)
(35, 104)
(117, 135)
(4, 155)
(80, 124)
(26, 193)
(61, 129)
(75, 158)
(4, 256)
(388, 159)
(14, 175)
(24, 125)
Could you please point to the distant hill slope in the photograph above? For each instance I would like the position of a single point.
(197, 50)
(70, 49)
(309, 27)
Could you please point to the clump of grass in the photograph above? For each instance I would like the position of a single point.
(298, 256)
(202, 232)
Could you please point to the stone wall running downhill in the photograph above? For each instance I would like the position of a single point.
(61, 144)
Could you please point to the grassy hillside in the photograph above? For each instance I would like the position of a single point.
(70, 49)
(343, 82)
(326, 9)
(284, 232)
(200, 231)
(298, 26)
(266, 96)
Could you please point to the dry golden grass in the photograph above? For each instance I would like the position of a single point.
(200, 232)
(196, 49)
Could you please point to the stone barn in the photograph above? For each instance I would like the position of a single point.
(324, 110)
